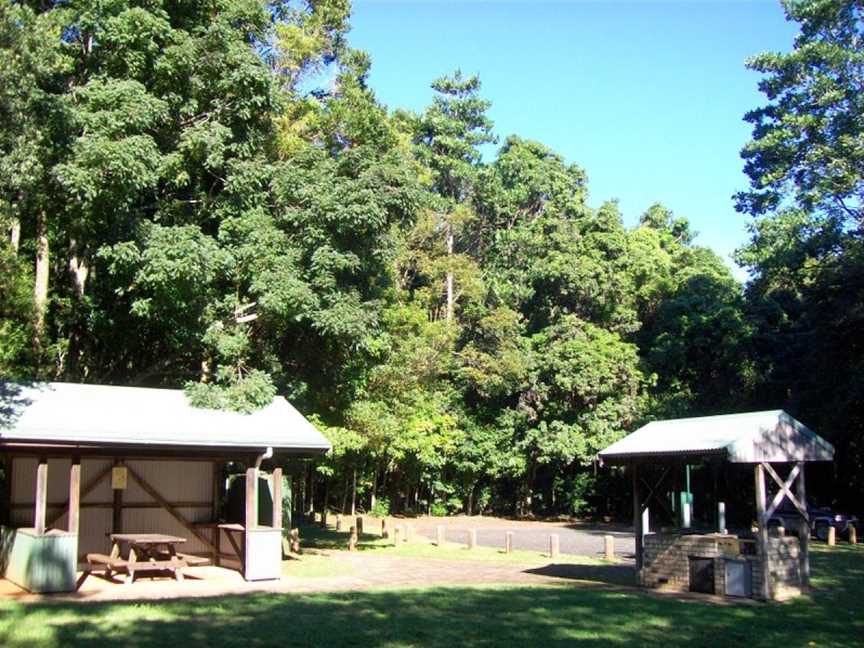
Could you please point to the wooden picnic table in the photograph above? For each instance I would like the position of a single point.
(144, 552)
(149, 552)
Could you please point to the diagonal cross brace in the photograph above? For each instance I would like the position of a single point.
(652, 491)
(785, 489)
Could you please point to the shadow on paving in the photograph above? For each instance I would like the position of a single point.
(481, 617)
(610, 574)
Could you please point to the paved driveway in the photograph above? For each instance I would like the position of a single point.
(577, 539)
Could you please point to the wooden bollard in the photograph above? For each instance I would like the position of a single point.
(324, 519)
(352, 540)
(439, 536)
(295, 540)
(508, 542)
(832, 536)
(553, 545)
(472, 538)
(385, 533)
(338, 521)
(359, 526)
(396, 532)
(609, 547)
(853, 534)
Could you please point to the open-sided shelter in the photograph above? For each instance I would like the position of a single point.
(767, 566)
(86, 461)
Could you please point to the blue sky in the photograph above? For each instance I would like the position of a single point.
(648, 97)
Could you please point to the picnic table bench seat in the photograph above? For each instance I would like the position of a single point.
(192, 560)
(106, 562)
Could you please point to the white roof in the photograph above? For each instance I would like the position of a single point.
(103, 415)
(752, 437)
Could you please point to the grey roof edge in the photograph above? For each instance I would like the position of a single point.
(279, 425)
(631, 456)
(745, 445)
(133, 443)
(806, 431)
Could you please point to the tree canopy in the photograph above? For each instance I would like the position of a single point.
(211, 196)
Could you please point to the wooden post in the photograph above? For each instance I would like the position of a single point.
(385, 533)
(853, 534)
(324, 518)
(359, 526)
(472, 538)
(762, 532)
(216, 492)
(352, 539)
(251, 498)
(553, 545)
(74, 494)
(338, 522)
(117, 504)
(832, 536)
(803, 532)
(609, 547)
(637, 521)
(41, 495)
(439, 536)
(508, 542)
(277, 498)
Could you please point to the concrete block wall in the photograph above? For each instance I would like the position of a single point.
(667, 562)
(784, 566)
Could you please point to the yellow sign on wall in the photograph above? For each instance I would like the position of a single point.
(118, 478)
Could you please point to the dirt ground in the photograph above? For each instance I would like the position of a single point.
(365, 570)
(362, 570)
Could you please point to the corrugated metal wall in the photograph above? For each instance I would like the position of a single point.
(187, 482)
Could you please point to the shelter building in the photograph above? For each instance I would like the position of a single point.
(85, 461)
(752, 563)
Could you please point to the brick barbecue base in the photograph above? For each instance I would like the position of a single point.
(667, 562)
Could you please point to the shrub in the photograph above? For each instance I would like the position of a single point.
(381, 508)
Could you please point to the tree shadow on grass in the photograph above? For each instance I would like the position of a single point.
(314, 537)
(479, 617)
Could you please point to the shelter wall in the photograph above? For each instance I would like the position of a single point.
(185, 483)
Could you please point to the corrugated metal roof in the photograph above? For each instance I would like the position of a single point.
(103, 415)
(741, 438)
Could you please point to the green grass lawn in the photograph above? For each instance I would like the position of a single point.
(494, 616)
(314, 538)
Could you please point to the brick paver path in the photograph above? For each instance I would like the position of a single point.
(363, 570)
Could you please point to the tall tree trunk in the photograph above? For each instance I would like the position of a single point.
(79, 268)
(15, 234)
(40, 287)
(344, 497)
(310, 480)
(354, 493)
(449, 273)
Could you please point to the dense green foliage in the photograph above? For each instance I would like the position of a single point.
(208, 195)
(806, 254)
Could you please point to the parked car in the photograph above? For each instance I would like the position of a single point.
(821, 519)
